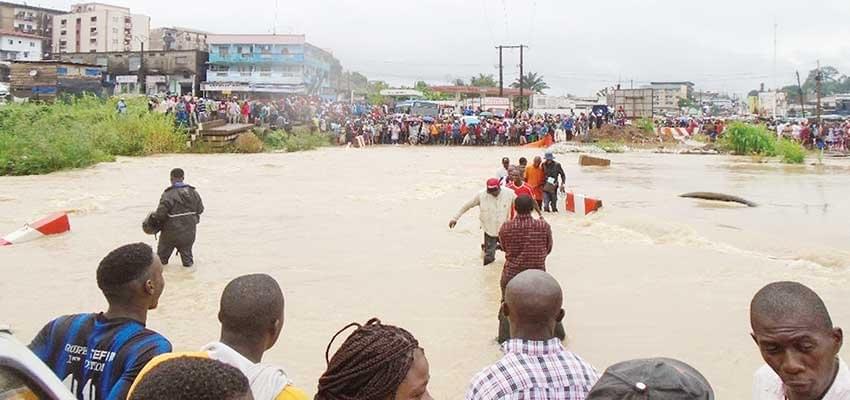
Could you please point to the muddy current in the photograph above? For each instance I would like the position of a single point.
(353, 234)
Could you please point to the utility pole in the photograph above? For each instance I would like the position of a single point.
(521, 78)
(800, 87)
(142, 87)
(521, 71)
(775, 83)
(818, 80)
(501, 74)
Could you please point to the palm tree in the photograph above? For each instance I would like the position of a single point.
(533, 82)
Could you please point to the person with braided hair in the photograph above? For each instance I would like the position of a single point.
(376, 362)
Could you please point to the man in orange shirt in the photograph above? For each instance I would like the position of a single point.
(535, 177)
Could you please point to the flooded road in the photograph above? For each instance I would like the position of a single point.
(355, 234)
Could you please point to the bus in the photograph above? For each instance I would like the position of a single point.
(418, 108)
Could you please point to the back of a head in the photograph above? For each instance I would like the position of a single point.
(789, 301)
(121, 266)
(177, 173)
(524, 205)
(193, 378)
(534, 297)
(370, 365)
(652, 378)
(250, 305)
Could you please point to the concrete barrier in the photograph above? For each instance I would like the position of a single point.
(588, 161)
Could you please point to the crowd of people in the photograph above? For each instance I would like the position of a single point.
(112, 355)
(827, 135)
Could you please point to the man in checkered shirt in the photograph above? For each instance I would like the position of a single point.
(536, 366)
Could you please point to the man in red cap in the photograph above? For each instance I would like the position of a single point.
(495, 208)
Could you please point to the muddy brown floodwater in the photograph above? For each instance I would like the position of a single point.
(355, 234)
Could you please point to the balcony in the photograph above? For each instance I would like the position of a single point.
(276, 77)
(217, 58)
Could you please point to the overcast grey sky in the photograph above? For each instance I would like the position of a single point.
(579, 47)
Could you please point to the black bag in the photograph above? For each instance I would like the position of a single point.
(151, 225)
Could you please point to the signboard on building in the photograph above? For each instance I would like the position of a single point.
(127, 79)
(634, 103)
(401, 93)
(155, 79)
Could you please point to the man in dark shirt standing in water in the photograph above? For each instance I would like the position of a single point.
(98, 356)
(180, 209)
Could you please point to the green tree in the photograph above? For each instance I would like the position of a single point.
(483, 81)
(832, 81)
(532, 81)
(459, 82)
(374, 92)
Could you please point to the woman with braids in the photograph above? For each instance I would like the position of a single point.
(377, 362)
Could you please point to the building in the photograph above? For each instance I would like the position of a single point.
(96, 27)
(20, 46)
(773, 104)
(45, 80)
(161, 72)
(178, 39)
(270, 64)
(30, 20)
(667, 96)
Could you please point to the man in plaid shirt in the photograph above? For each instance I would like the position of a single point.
(526, 242)
(536, 366)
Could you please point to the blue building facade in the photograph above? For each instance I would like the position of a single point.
(269, 64)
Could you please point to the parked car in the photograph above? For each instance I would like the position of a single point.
(23, 375)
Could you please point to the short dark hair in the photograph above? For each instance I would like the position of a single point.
(524, 205)
(123, 265)
(523, 160)
(177, 173)
(188, 378)
(250, 304)
(790, 300)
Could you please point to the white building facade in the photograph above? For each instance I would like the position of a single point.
(96, 27)
(20, 46)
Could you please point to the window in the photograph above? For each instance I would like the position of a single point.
(11, 41)
(115, 30)
(63, 22)
(26, 54)
(182, 60)
(63, 32)
(93, 19)
(32, 44)
(224, 51)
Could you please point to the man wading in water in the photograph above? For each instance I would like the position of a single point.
(180, 209)
(495, 208)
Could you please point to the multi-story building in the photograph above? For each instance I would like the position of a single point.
(96, 27)
(160, 72)
(668, 95)
(30, 20)
(20, 46)
(175, 38)
(270, 64)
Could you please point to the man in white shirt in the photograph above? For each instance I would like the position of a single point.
(251, 316)
(797, 340)
(495, 207)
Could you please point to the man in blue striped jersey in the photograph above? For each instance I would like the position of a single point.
(99, 355)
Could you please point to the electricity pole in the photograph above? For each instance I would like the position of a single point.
(521, 71)
(800, 86)
(501, 73)
(818, 80)
(521, 79)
